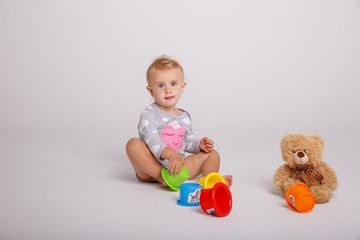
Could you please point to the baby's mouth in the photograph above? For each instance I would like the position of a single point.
(169, 98)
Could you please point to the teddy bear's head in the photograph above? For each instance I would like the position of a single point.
(299, 149)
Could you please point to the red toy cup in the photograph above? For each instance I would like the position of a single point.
(216, 200)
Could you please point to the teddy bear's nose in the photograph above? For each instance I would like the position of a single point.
(300, 154)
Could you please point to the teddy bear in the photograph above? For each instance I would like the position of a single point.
(303, 154)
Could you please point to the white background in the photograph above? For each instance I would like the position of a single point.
(72, 86)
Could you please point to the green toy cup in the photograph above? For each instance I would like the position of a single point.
(174, 181)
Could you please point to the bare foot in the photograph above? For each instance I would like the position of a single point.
(228, 180)
(162, 181)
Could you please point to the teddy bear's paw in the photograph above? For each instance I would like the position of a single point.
(321, 193)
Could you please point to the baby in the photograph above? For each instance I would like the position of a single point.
(165, 131)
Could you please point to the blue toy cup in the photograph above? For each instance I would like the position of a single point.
(189, 194)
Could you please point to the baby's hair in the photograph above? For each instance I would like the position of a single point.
(163, 63)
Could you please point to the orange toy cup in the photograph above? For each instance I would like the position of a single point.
(299, 197)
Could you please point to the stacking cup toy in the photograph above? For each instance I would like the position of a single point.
(216, 200)
(174, 181)
(189, 194)
(299, 197)
(210, 180)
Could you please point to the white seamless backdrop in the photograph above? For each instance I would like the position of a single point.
(72, 86)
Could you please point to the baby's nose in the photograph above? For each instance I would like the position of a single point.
(168, 89)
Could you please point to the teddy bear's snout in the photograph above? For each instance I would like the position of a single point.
(300, 154)
(300, 157)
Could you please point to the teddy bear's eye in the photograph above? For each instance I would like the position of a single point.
(304, 150)
(293, 151)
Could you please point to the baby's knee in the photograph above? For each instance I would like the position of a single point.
(215, 153)
(133, 144)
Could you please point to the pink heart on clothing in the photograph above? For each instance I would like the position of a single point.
(173, 138)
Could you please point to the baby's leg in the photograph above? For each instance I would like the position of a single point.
(202, 163)
(142, 160)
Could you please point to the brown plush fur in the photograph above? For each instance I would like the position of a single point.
(311, 147)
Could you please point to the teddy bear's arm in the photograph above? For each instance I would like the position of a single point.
(329, 175)
(281, 177)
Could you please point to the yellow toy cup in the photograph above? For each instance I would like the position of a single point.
(210, 180)
(174, 181)
(299, 197)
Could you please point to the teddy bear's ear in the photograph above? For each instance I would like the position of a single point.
(319, 139)
(284, 138)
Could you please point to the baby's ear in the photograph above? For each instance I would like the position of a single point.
(150, 90)
(184, 84)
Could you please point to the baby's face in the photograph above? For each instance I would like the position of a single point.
(166, 87)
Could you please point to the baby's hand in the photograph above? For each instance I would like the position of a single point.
(206, 145)
(175, 164)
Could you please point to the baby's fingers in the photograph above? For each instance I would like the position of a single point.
(205, 149)
(171, 168)
(209, 147)
(176, 170)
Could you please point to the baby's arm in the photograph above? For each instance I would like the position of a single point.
(175, 161)
(148, 132)
(195, 145)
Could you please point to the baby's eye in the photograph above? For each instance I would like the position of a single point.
(173, 84)
(169, 134)
(161, 85)
(180, 135)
